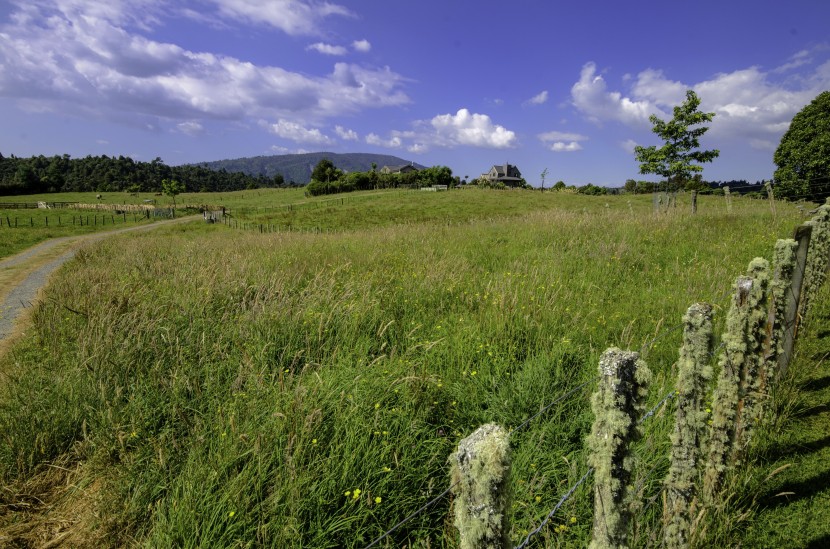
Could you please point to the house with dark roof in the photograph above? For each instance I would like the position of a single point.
(406, 168)
(505, 173)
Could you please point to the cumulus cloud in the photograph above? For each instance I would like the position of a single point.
(86, 58)
(628, 145)
(296, 132)
(562, 136)
(591, 96)
(750, 104)
(285, 150)
(362, 45)
(190, 128)
(538, 99)
(327, 49)
(348, 135)
(562, 141)
(466, 128)
(295, 17)
(561, 146)
(393, 142)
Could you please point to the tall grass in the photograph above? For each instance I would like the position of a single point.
(234, 388)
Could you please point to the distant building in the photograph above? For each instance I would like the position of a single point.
(505, 173)
(406, 168)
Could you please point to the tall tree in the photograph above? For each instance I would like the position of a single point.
(803, 156)
(674, 160)
(171, 188)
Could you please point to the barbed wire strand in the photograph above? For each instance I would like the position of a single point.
(420, 510)
(669, 331)
(561, 502)
(657, 406)
(562, 397)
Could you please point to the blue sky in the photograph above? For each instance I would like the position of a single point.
(565, 86)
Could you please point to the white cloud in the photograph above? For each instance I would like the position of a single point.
(561, 146)
(348, 135)
(327, 49)
(562, 141)
(750, 104)
(562, 136)
(285, 150)
(393, 142)
(296, 132)
(77, 57)
(295, 17)
(466, 128)
(417, 148)
(362, 45)
(628, 145)
(591, 96)
(538, 99)
(797, 60)
(190, 128)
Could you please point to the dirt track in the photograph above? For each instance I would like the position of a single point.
(23, 275)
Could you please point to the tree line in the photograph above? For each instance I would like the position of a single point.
(326, 178)
(41, 174)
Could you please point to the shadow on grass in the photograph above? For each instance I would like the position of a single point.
(791, 492)
(785, 451)
(816, 384)
(819, 543)
(812, 411)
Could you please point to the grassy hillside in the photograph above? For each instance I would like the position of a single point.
(292, 389)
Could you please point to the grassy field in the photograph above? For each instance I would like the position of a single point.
(217, 387)
(22, 229)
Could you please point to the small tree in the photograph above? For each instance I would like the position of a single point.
(803, 156)
(674, 159)
(171, 188)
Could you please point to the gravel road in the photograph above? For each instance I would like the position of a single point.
(24, 294)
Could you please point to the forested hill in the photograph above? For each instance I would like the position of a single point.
(297, 167)
(42, 174)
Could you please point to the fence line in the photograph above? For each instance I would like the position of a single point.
(559, 504)
(752, 355)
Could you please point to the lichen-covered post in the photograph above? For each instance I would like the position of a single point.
(728, 196)
(480, 471)
(749, 392)
(617, 404)
(694, 202)
(784, 263)
(802, 237)
(817, 258)
(725, 398)
(694, 373)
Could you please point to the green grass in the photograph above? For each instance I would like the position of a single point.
(783, 498)
(230, 390)
(22, 229)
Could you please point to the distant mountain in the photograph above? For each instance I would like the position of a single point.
(297, 167)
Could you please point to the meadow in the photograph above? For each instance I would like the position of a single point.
(305, 390)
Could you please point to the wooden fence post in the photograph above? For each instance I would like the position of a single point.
(728, 196)
(749, 393)
(731, 392)
(784, 264)
(480, 471)
(694, 373)
(816, 269)
(617, 404)
(694, 202)
(802, 236)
